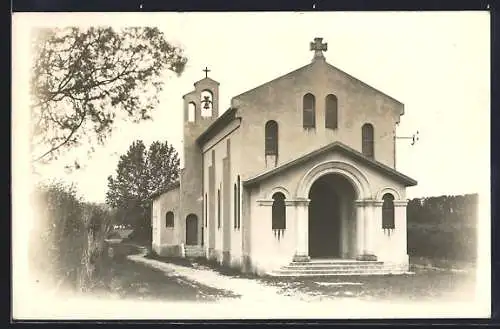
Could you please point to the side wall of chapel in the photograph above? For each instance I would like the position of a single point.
(167, 240)
(221, 163)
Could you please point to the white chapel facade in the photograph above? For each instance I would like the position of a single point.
(299, 168)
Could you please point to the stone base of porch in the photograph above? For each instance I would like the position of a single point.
(333, 267)
(301, 258)
(366, 257)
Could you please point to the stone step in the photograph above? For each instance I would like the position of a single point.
(333, 268)
(336, 262)
(333, 273)
(352, 271)
(293, 264)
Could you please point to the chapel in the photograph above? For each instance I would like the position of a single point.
(297, 177)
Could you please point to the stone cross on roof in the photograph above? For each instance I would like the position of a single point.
(318, 46)
(206, 70)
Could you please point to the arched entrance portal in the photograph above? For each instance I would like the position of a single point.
(191, 229)
(332, 218)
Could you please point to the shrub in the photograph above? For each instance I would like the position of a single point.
(67, 240)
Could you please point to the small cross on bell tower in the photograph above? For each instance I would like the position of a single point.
(318, 46)
(206, 70)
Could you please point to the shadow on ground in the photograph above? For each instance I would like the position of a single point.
(124, 278)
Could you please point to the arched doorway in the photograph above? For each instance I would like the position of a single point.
(332, 217)
(191, 229)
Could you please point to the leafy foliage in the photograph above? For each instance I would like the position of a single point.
(141, 173)
(67, 241)
(443, 227)
(85, 79)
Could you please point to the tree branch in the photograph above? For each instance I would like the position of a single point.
(55, 148)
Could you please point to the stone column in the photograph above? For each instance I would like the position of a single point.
(344, 229)
(360, 227)
(377, 234)
(401, 225)
(302, 230)
(364, 230)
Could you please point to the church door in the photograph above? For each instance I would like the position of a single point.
(191, 229)
(324, 222)
(331, 217)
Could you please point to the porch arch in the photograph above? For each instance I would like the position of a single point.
(269, 194)
(393, 191)
(353, 175)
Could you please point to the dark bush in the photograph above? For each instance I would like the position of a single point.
(443, 227)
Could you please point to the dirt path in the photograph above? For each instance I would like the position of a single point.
(259, 299)
(249, 290)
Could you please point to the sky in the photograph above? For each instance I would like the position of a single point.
(436, 63)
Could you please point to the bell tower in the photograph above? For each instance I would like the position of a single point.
(201, 109)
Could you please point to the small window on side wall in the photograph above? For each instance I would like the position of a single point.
(235, 206)
(238, 225)
(388, 212)
(169, 219)
(278, 211)
(191, 112)
(218, 210)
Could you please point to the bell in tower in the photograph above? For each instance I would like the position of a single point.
(207, 103)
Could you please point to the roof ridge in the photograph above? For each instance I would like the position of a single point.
(336, 144)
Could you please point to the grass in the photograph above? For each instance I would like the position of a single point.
(424, 285)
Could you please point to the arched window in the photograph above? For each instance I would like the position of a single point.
(206, 210)
(218, 208)
(238, 189)
(191, 112)
(388, 211)
(279, 211)
(235, 206)
(169, 219)
(271, 137)
(309, 111)
(331, 112)
(367, 137)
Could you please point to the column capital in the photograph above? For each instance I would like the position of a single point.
(298, 202)
(288, 202)
(359, 203)
(368, 202)
(265, 202)
(400, 203)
